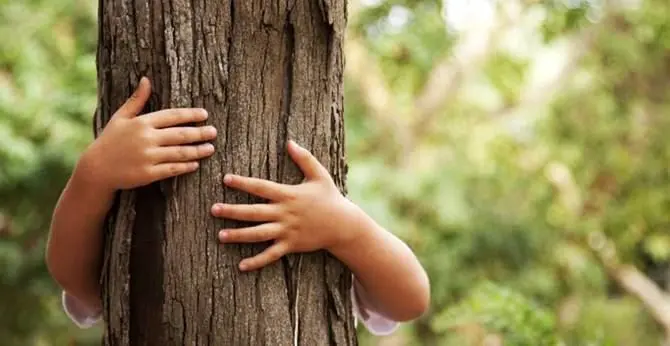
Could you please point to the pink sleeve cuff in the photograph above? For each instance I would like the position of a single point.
(373, 321)
(80, 314)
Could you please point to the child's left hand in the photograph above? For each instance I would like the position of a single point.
(307, 217)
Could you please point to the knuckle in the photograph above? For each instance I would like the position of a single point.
(143, 124)
(275, 254)
(146, 172)
(146, 154)
(185, 135)
(279, 229)
(144, 121)
(182, 153)
(189, 134)
(290, 194)
(192, 153)
(146, 136)
(291, 219)
(290, 236)
(174, 169)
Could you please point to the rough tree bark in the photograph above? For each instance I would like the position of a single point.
(266, 71)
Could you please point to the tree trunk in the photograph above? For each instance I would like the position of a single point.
(266, 71)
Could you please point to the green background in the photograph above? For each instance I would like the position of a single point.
(524, 146)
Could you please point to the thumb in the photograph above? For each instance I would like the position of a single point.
(134, 105)
(310, 166)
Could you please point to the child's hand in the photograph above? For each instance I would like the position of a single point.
(133, 150)
(301, 218)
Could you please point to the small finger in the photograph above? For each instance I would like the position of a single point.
(255, 234)
(175, 116)
(246, 212)
(268, 256)
(183, 153)
(258, 187)
(169, 170)
(185, 135)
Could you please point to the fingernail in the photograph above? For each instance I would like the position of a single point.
(243, 266)
(294, 143)
(194, 165)
(209, 148)
(204, 112)
(227, 179)
(210, 131)
(223, 235)
(217, 208)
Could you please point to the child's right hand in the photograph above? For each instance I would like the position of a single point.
(134, 151)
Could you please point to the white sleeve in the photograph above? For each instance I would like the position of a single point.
(80, 314)
(373, 321)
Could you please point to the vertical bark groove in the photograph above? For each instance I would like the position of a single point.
(266, 71)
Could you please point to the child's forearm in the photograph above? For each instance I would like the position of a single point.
(391, 277)
(75, 241)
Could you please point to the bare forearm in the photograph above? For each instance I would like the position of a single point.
(391, 277)
(75, 240)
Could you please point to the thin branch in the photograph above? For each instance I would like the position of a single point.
(627, 276)
(656, 301)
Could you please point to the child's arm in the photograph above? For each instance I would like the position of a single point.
(75, 240)
(132, 151)
(388, 275)
(314, 215)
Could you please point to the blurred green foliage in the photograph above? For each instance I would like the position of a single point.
(504, 311)
(47, 94)
(550, 149)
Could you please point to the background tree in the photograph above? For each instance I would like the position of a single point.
(521, 143)
(266, 72)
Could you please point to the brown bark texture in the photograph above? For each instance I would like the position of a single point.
(266, 71)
